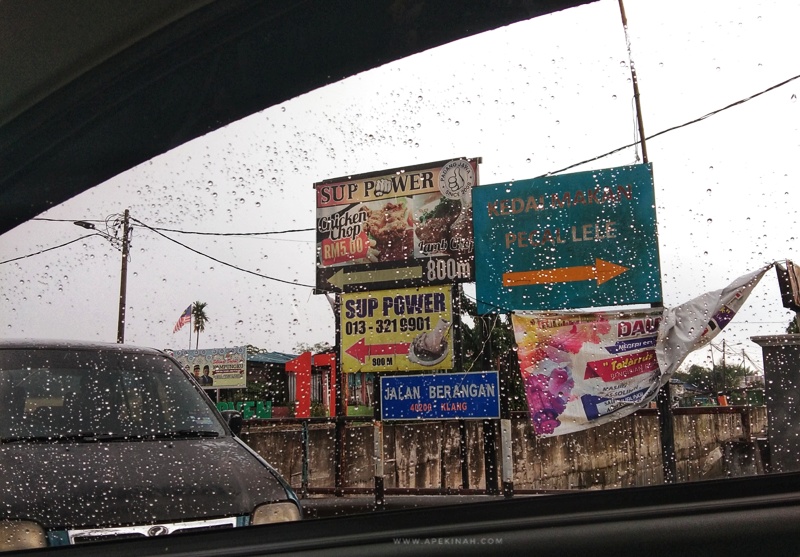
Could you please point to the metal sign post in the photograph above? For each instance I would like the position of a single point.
(378, 452)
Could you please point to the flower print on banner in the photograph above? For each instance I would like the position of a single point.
(572, 339)
(547, 398)
(577, 369)
(583, 369)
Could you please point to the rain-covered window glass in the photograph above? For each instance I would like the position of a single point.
(50, 394)
(230, 224)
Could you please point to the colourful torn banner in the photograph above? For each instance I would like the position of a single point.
(583, 369)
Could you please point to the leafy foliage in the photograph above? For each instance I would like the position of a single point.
(200, 319)
(717, 379)
(488, 344)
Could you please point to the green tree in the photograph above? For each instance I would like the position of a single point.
(200, 319)
(488, 344)
(792, 328)
(719, 378)
(698, 376)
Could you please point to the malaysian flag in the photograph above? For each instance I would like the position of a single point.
(185, 318)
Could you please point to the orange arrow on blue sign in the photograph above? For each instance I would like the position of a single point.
(602, 271)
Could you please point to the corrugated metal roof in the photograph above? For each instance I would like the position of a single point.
(271, 357)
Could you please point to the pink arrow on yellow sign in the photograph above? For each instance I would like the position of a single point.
(602, 271)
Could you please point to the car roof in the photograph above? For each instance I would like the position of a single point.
(73, 345)
(94, 88)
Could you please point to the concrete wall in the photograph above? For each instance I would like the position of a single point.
(624, 453)
(782, 378)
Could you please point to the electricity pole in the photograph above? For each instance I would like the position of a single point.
(123, 280)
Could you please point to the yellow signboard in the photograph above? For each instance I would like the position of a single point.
(397, 330)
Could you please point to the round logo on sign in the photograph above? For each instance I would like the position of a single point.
(456, 179)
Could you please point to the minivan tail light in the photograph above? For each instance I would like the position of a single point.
(276, 512)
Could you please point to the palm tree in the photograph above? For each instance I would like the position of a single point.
(200, 318)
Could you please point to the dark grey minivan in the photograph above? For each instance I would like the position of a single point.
(109, 441)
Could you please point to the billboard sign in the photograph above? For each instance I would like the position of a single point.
(585, 369)
(441, 396)
(216, 368)
(578, 240)
(397, 330)
(400, 227)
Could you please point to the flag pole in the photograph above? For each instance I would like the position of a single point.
(190, 331)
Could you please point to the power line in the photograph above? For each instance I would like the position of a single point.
(219, 260)
(673, 128)
(196, 232)
(613, 151)
(68, 220)
(233, 233)
(729, 351)
(156, 230)
(51, 248)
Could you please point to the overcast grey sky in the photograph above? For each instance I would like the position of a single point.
(529, 99)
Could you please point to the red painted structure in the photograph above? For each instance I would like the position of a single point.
(301, 366)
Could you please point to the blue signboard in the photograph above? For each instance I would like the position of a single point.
(440, 396)
(578, 240)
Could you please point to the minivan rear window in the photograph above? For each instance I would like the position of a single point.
(98, 395)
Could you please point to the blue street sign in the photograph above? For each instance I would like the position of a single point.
(440, 396)
(578, 240)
